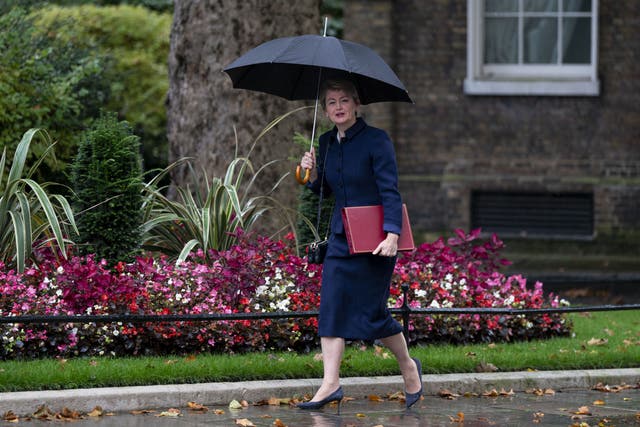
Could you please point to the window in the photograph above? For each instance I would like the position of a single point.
(523, 214)
(532, 47)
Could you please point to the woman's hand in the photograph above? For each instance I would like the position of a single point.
(388, 247)
(309, 160)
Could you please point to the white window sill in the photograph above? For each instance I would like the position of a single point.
(536, 88)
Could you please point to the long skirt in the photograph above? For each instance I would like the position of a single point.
(354, 294)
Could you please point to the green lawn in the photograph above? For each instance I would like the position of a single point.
(601, 340)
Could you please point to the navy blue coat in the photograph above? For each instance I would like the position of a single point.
(360, 170)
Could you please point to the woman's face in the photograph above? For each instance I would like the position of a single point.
(340, 108)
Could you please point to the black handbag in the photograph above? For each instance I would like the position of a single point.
(318, 249)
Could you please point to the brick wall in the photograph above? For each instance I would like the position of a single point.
(449, 143)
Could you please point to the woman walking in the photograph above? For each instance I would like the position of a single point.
(357, 164)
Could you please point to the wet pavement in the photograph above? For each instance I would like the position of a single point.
(562, 408)
(599, 397)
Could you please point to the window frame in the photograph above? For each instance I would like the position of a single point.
(553, 80)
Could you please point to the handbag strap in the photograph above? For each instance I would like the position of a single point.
(324, 166)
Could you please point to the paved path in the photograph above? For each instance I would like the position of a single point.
(572, 391)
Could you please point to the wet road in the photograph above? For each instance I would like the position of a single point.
(566, 408)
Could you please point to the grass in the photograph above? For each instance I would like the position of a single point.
(585, 350)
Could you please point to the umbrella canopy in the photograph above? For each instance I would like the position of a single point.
(293, 67)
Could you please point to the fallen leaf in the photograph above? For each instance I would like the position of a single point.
(486, 367)
(458, 419)
(190, 358)
(609, 332)
(96, 412)
(491, 393)
(43, 413)
(398, 395)
(380, 352)
(537, 417)
(360, 415)
(93, 362)
(599, 402)
(470, 394)
(68, 414)
(170, 362)
(317, 357)
(234, 404)
(492, 345)
(218, 412)
(503, 392)
(278, 423)
(583, 410)
(447, 394)
(244, 422)
(10, 417)
(597, 341)
(171, 412)
(626, 399)
(470, 354)
(197, 407)
(375, 398)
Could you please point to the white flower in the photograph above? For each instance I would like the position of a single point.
(420, 293)
(463, 281)
(256, 307)
(434, 304)
(448, 277)
(284, 304)
(59, 292)
(261, 289)
(564, 303)
(178, 297)
(509, 300)
(60, 270)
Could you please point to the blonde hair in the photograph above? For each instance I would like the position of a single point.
(344, 85)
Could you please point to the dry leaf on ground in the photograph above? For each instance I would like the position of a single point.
(197, 407)
(10, 417)
(597, 341)
(244, 422)
(583, 410)
(278, 423)
(447, 394)
(458, 419)
(171, 412)
(234, 404)
(375, 398)
(96, 412)
(142, 411)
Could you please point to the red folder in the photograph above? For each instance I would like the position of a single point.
(363, 227)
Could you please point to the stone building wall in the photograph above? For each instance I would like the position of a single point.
(449, 144)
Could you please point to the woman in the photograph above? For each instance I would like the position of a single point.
(360, 170)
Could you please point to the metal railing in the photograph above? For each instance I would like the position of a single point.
(405, 311)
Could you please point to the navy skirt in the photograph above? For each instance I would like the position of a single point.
(354, 294)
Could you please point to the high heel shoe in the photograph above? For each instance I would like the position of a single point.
(412, 398)
(336, 396)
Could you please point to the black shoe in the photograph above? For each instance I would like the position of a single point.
(412, 398)
(336, 396)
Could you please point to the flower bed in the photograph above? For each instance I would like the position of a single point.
(257, 275)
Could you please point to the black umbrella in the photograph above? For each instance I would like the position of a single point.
(294, 68)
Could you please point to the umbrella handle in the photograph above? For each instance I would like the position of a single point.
(302, 180)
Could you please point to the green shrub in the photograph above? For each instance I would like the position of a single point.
(107, 177)
(137, 41)
(210, 215)
(29, 215)
(46, 83)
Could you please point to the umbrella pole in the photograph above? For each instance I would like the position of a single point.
(307, 174)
